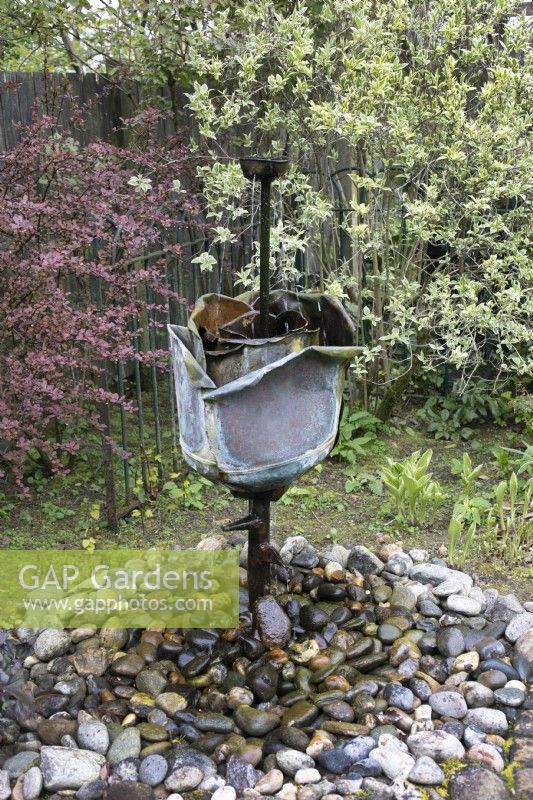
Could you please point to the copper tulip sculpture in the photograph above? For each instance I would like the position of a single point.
(259, 382)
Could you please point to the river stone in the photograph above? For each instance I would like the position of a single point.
(468, 606)
(64, 768)
(477, 695)
(128, 666)
(436, 574)
(153, 770)
(362, 560)
(394, 763)
(188, 756)
(399, 696)
(51, 643)
(335, 760)
(510, 696)
(171, 703)
(263, 681)
(270, 783)
(448, 704)
(51, 731)
(126, 745)
(487, 754)
(426, 772)
(477, 782)
(503, 608)
(518, 626)
(94, 661)
(184, 779)
(488, 720)
(5, 788)
(450, 641)
(523, 656)
(274, 624)
(32, 784)
(255, 722)
(224, 793)
(438, 745)
(403, 596)
(290, 761)
(94, 736)
(17, 765)
(359, 748)
(240, 774)
(150, 681)
(338, 553)
(130, 790)
(301, 713)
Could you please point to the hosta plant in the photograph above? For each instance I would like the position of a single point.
(415, 496)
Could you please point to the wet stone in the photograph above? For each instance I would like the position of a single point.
(126, 745)
(290, 761)
(263, 681)
(274, 624)
(301, 713)
(255, 722)
(363, 561)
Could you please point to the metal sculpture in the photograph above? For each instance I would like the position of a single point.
(259, 382)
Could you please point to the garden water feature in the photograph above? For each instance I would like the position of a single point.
(387, 674)
(259, 384)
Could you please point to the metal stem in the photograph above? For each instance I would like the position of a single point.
(264, 260)
(258, 562)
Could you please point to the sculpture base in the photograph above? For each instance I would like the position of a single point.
(260, 554)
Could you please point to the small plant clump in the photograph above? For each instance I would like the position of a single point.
(415, 496)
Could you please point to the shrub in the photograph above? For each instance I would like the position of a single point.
(85, 237)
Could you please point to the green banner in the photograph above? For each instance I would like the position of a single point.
(119, 588)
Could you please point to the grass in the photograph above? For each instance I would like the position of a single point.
(63, 511)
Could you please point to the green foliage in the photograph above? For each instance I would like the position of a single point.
(450, 417)
(189, 493)
(500, 523)
(358, 430)
(415, 496)
(54, 513)
(523, 411)
(312, 497)
(467, 473)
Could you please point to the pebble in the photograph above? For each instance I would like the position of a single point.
(290, 761)
(184, 779)
(488, 720)
(448, 704)
(307, 775)
(17, 765)
(153, 770)
(270, 783)
(65, 768)
(224, 793)
(126, 745)
(393, 762)
(487, 754)
(5, 788)
(287, 711)
(426, 772)
(464, 605)
(51, 643)
(274, 624)
(362, 560)
(477, 782)
(439, 745)
(93, 736)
